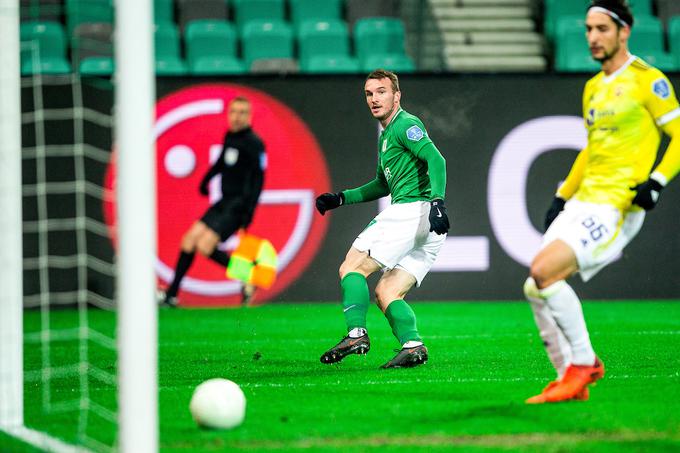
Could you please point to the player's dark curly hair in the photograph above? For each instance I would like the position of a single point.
(619, 7)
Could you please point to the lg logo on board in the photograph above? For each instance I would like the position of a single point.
(189, 129)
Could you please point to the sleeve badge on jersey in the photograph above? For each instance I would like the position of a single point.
(661, 88)
(231, 156)
(414, 133)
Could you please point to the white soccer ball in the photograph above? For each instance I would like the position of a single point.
(218, 404)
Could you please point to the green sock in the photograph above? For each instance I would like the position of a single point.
(403, 321)
(355, 300)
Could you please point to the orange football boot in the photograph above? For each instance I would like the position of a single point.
(572, 386)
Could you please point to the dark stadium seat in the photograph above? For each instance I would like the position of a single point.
(167, 48)
(191, 10)
(86, 11)
(41, 10)
(358, 9)
(91, 40)
(211, 47)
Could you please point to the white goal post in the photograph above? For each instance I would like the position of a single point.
(136, 195)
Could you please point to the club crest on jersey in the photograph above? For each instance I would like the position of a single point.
(414, 133)
(661, 88)
(230, 156)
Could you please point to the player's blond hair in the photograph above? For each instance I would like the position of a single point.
(379, 74)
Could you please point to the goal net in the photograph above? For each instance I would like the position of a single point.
(65, 369)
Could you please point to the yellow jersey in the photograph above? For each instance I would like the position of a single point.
(623, 114)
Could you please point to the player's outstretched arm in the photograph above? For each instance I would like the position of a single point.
(567, 188)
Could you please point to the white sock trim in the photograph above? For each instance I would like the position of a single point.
(412, 344)
(357, 332)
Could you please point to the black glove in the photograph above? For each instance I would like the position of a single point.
(647, 194)
(204, 188)
(555, 208)
(327, 201)
(439, 221)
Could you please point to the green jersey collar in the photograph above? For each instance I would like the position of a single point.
(393, 118)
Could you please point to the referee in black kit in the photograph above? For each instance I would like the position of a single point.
(241, 164)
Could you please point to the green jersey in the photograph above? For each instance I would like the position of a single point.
(410, 167)
(401, 161)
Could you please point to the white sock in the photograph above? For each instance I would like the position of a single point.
(357, 332)
(565, 307)
(412, 344)
(555, 344)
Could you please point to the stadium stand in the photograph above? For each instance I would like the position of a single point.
(267, 39)
(667, 9)
(164, 11)
(168, 54)
(323, 38)
(490, 35)
(304, 10)
(249, 10)
(41, 10)
(87, 11)
(381, 39)
(92, 40)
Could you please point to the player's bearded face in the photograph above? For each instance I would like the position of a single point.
(381, 98)
(605, 38)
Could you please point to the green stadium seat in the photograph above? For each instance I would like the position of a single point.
(207, 39)
(45, 65)
(191, 10)
(97, 66)
(319, 10)
(571, 48)
(335, 64)
(167, 48)
(83, 11)
(379, 35)
(248, 10)
(557, 9)
(41, 10)
(660, 60)
(263, 39)
(674, 37)
(641, 8)
(163, 11)
(392, 62)
(218, 66)
(322, 38)
(46, 38)
(647, 36)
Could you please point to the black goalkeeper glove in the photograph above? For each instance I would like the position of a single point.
(327, 201)
(647, 194)
(439, 221)
(555, 208)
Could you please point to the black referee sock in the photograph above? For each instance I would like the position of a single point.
(220, 257)
(183, 264)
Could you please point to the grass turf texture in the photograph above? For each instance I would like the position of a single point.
(485, 359)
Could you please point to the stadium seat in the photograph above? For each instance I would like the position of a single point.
(97, 66)
(647, 36)
(571, 48)
(46, 38)
(322, 38)
(557, 9)
(274, 66)
(91, 40)
(167, 47)
(304, 10)
(674, 37)
(667, 9)
(163, 11)
(218, 66)
(191, 10)
(266, 39)
(46, 65)
(641, 8)
(336, 64)
(660, 60)
(379, 35)
(392, 62)
(359, 9)
(248, 10)
(84, 11)
(41, 10)
(207, 39)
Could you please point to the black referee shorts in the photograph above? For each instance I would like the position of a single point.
(224, 217)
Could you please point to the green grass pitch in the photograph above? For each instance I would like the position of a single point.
(485, 359)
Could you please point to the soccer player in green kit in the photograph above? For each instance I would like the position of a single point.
(404, 239)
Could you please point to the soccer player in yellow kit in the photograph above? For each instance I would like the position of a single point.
(601, 205)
